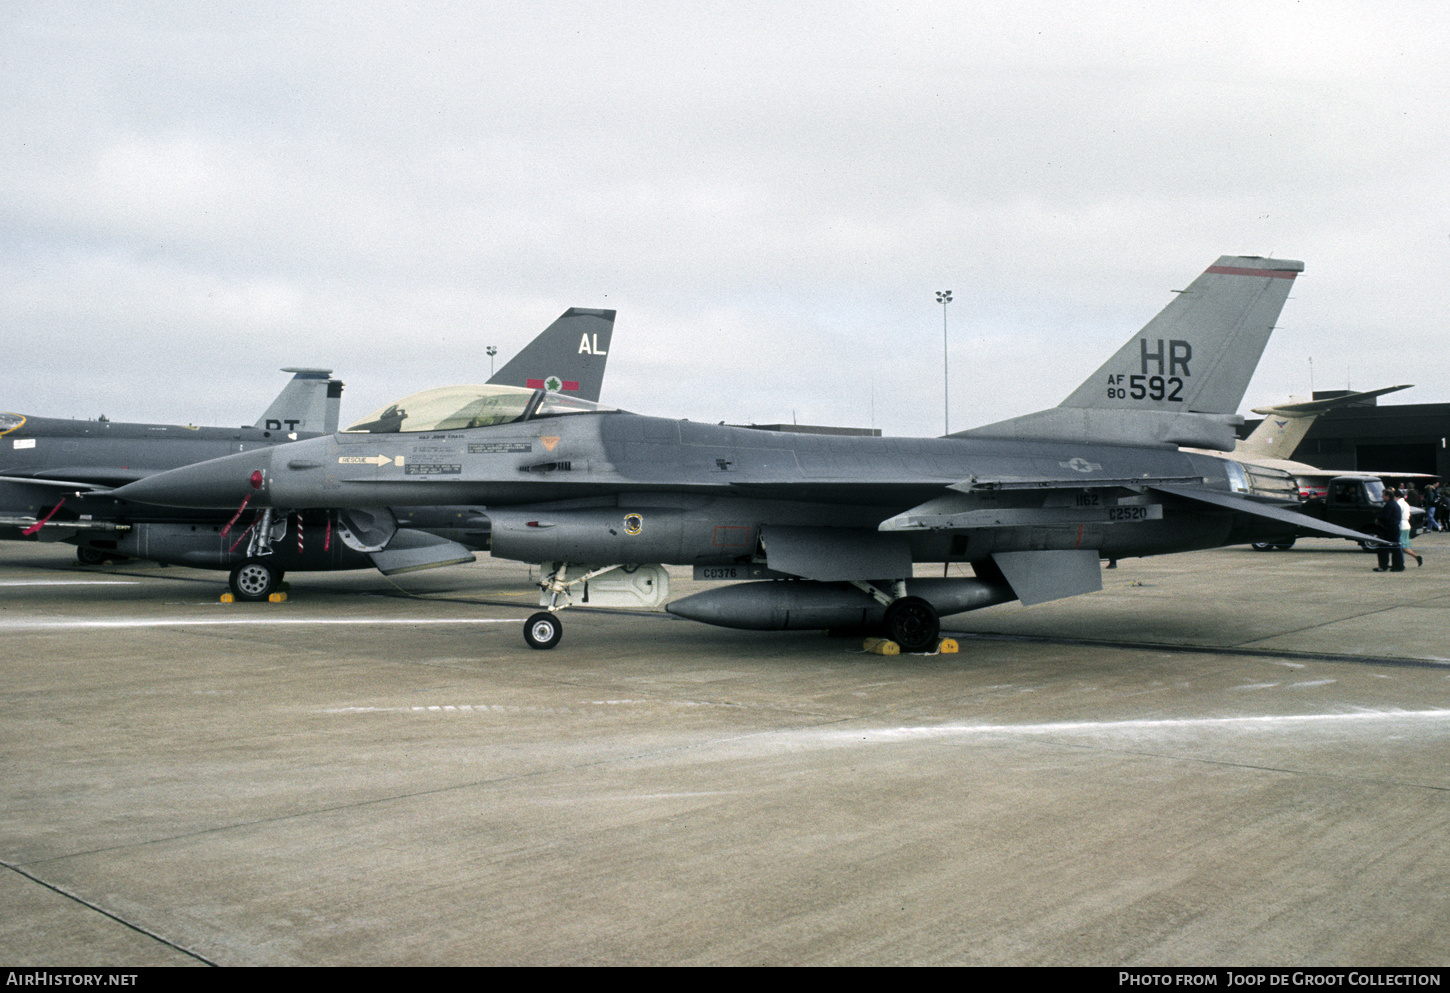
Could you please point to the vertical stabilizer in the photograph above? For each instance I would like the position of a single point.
(1276, 437)
(567, 357)
(1285, 425)
(310, 402)
(1200, 352)
(1180, 380)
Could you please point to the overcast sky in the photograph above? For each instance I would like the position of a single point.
(195, 195)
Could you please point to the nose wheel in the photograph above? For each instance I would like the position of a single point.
(254, 581)
(543, 630)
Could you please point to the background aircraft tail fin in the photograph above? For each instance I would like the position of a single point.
(1181, 378)
(567, 357)
(1285, 425)
(311, 401)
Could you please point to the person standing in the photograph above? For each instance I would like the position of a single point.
(1391, 555)
(1404, 536)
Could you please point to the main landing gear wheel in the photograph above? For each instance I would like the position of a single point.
(254, 581)
(1273, 546)
(543, 630)
(912, 623)
(86, 555)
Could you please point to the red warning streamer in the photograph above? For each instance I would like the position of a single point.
(244, 533)
(40, 523)
(227, 530)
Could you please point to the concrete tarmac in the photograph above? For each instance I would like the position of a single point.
(1223, 758)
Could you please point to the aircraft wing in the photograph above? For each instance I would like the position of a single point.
(951, 512)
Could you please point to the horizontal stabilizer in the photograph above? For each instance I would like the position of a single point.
(1304, 408)
(1244, 506)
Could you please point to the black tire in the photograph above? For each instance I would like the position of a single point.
(543, 630)
(86, 555)
(912, 623)
(254, 581)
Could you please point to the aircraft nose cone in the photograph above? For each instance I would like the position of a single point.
(220, 484)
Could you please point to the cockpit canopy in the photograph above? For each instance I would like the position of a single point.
(452, 408)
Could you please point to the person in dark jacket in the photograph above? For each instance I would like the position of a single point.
(1391, 555)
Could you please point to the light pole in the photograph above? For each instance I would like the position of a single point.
(944, 297)
(492, 351)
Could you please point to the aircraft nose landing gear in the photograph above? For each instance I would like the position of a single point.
(543, 630)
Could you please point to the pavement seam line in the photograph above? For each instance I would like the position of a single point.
(106, 913)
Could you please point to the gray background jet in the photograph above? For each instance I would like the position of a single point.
(54, 472)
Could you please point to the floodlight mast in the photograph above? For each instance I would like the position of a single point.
(944, 297)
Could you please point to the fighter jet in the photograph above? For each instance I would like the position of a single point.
(55, 474)
(112, 453)
(831, 527)
(43, 459)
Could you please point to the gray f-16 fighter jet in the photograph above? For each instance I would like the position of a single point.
(831, 527)
(55, 474)
(112, 453)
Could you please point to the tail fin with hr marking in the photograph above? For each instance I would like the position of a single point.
(1180, 380)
